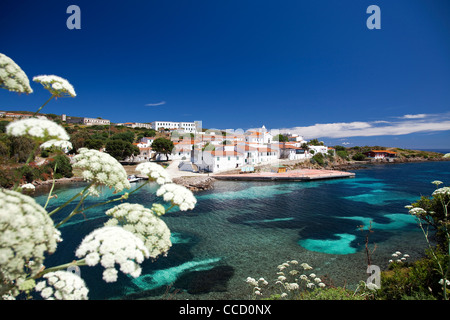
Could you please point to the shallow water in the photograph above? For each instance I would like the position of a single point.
(242, 229)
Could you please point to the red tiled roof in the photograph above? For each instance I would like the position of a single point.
(383, 151)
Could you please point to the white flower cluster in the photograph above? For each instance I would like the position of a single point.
(154, 172)
(416, 211)
(445, 191)
(256, 284)
(143, 223)
(177, 195)
(102, 169)
(12, 77)
(447, 282)
(57, 86)
(27, 233)
(398, 255)
(28, 186)
(37, 129)
(62, 285)
(110, 245)
(289, 280)
(58, 144)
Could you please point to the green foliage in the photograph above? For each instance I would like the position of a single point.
(162, 145)
(359, 157)
(434, 214)
(125, 136)
(78, 139)
(63, 167)
(315, 142)
(319, 158)
(419, 280)
(342, 154)
(44, 153)
(281, 138)
(3, 125)
(340, 148)
(121, 149)
(337, 293)
(96, 144)
(21, 148)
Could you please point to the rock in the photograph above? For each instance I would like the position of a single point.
(195, 183)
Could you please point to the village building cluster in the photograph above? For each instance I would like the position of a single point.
(216, 150)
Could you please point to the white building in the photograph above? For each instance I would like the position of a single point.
(258, 136)
(292, 152)
(171, 125)
(317, 149)
(87, 121)
(135, 125)
(217, 160)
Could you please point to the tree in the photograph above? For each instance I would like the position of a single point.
(21, 148)
(121, 149)
(126, 136)
(305, 147)
(315, 142)
(359, 157)
(63, 166)
(94, 144)
(281, 138)
(78, 140)
(164, 146)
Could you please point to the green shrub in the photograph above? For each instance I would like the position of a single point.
(342, 154)
(63, 167)
(318, 158)
(44, 153)
(337, 293)
(419, 280)
(359, 157)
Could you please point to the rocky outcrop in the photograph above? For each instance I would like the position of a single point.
(195, 183)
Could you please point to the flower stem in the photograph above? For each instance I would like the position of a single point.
(74, 212)
(30, 157)
(78, 263)
(70, 200)
(53, 186)
(44, 105)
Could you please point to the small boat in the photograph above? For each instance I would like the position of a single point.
(133, 178)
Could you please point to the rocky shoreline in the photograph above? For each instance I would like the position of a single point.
(203, 182)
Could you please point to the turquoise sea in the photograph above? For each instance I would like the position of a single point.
(246, 229)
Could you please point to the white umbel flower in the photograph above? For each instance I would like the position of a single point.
(416, 212)
(57, 86)
(12, 77)
(27, 233)
(142, 222)
(177, 195)
(154, 172)
(28, 186)
(102, 169)
(37, 129)
(58, 144)
(111, 245)
(445, 191)
(62, 285)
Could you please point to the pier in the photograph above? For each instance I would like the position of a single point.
(293, 175)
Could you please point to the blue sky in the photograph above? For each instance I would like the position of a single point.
(310, 67)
